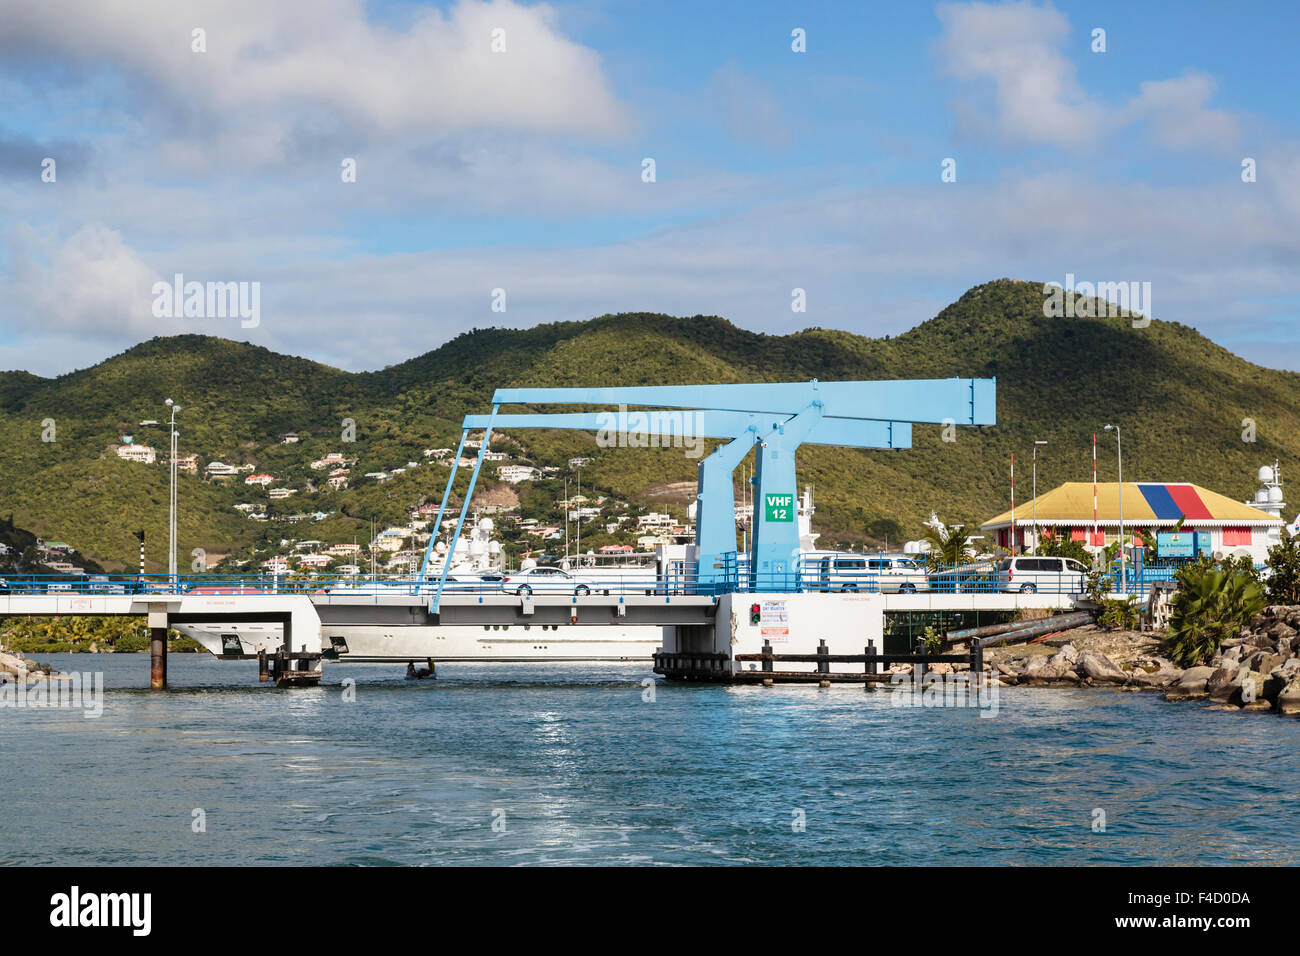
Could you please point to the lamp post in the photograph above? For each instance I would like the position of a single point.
(1119, 458)
(1035, 517)
(171, 509)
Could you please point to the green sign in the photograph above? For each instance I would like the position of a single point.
(778, 507)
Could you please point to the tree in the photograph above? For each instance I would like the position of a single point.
(1213, 601)
(1053, 547)
(1284, 570)
(947, 547)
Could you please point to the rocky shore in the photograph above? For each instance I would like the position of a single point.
(1256, 671)
(14, 669)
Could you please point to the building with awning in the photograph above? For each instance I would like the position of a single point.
(1067, 512)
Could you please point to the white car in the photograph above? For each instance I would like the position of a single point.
(1050, 575)
(858, 572)
(543, 579)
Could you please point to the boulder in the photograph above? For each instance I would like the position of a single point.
(1232, 653)
(1194, 679)
(1156, 679)
(1225, 681)
(1099, 667)
(1288, 698)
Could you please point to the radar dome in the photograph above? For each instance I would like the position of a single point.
(440, 547)
(1261, 496)
(1275, 494)
(1266, 473)
(487, 524)
(494, 547)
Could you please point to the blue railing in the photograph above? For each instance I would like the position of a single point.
(812, 573)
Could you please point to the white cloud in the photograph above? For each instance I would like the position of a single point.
(92, 284)
(1019, 48)
(304, 70)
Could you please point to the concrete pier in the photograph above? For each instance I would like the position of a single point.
(158, 650)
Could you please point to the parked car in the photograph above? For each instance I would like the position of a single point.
(1053, 575)
(543, 579)
(856, 572)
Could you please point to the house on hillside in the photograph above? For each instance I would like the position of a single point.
(516, 473)
(219, 469)
(133, 452)
(288, 438)
(262, 480)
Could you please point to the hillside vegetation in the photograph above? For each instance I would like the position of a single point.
(1180, 399)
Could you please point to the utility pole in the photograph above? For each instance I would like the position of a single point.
(171, 516)
(1035, 518)
(1119, 458)
(140, 535)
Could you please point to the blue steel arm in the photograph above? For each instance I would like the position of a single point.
(715, 507)
(437, 525)
(932, 400)
(464, 508)
(847, 432)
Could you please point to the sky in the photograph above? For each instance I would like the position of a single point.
(501, 149)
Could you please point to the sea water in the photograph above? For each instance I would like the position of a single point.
(583, 764)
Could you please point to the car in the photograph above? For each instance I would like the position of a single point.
(543, 579)
(1026, 575)
(857, 572)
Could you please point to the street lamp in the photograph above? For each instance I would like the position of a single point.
(171, 510)
(1119, 457)
(1035, 517)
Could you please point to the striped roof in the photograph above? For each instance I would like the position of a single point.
(1151, 504)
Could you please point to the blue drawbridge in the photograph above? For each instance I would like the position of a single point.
(775, 418)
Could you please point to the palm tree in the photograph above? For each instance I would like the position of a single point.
(1212, 602)
(948, 545)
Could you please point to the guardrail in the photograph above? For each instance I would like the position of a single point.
(732, 577)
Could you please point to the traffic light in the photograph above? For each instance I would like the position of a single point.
(754, 614)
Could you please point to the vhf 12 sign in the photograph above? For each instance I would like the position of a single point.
(778, 507)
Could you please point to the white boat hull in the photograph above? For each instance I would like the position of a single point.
(402, 644)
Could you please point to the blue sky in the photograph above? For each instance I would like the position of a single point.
(521, 169)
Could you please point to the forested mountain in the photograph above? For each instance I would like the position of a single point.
(1180, 399)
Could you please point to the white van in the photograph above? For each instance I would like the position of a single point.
(858, 572)
(1050, 575)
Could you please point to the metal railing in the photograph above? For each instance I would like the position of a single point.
(813, 572)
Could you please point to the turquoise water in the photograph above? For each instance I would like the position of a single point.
(581, 769)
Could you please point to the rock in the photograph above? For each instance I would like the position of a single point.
(1281, 631)
(940, 668)
(1100, 668)
(1257, 707)
(1284, 646)
(1288, 698)
(1194, 679)
(1157, 679)
(1225, 681)
(1233, 653)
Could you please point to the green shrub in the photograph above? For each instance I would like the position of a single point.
(1213, 601)
(1122, 613)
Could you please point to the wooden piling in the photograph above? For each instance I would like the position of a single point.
(263, 674)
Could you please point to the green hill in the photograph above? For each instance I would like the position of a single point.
(1180, 399)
